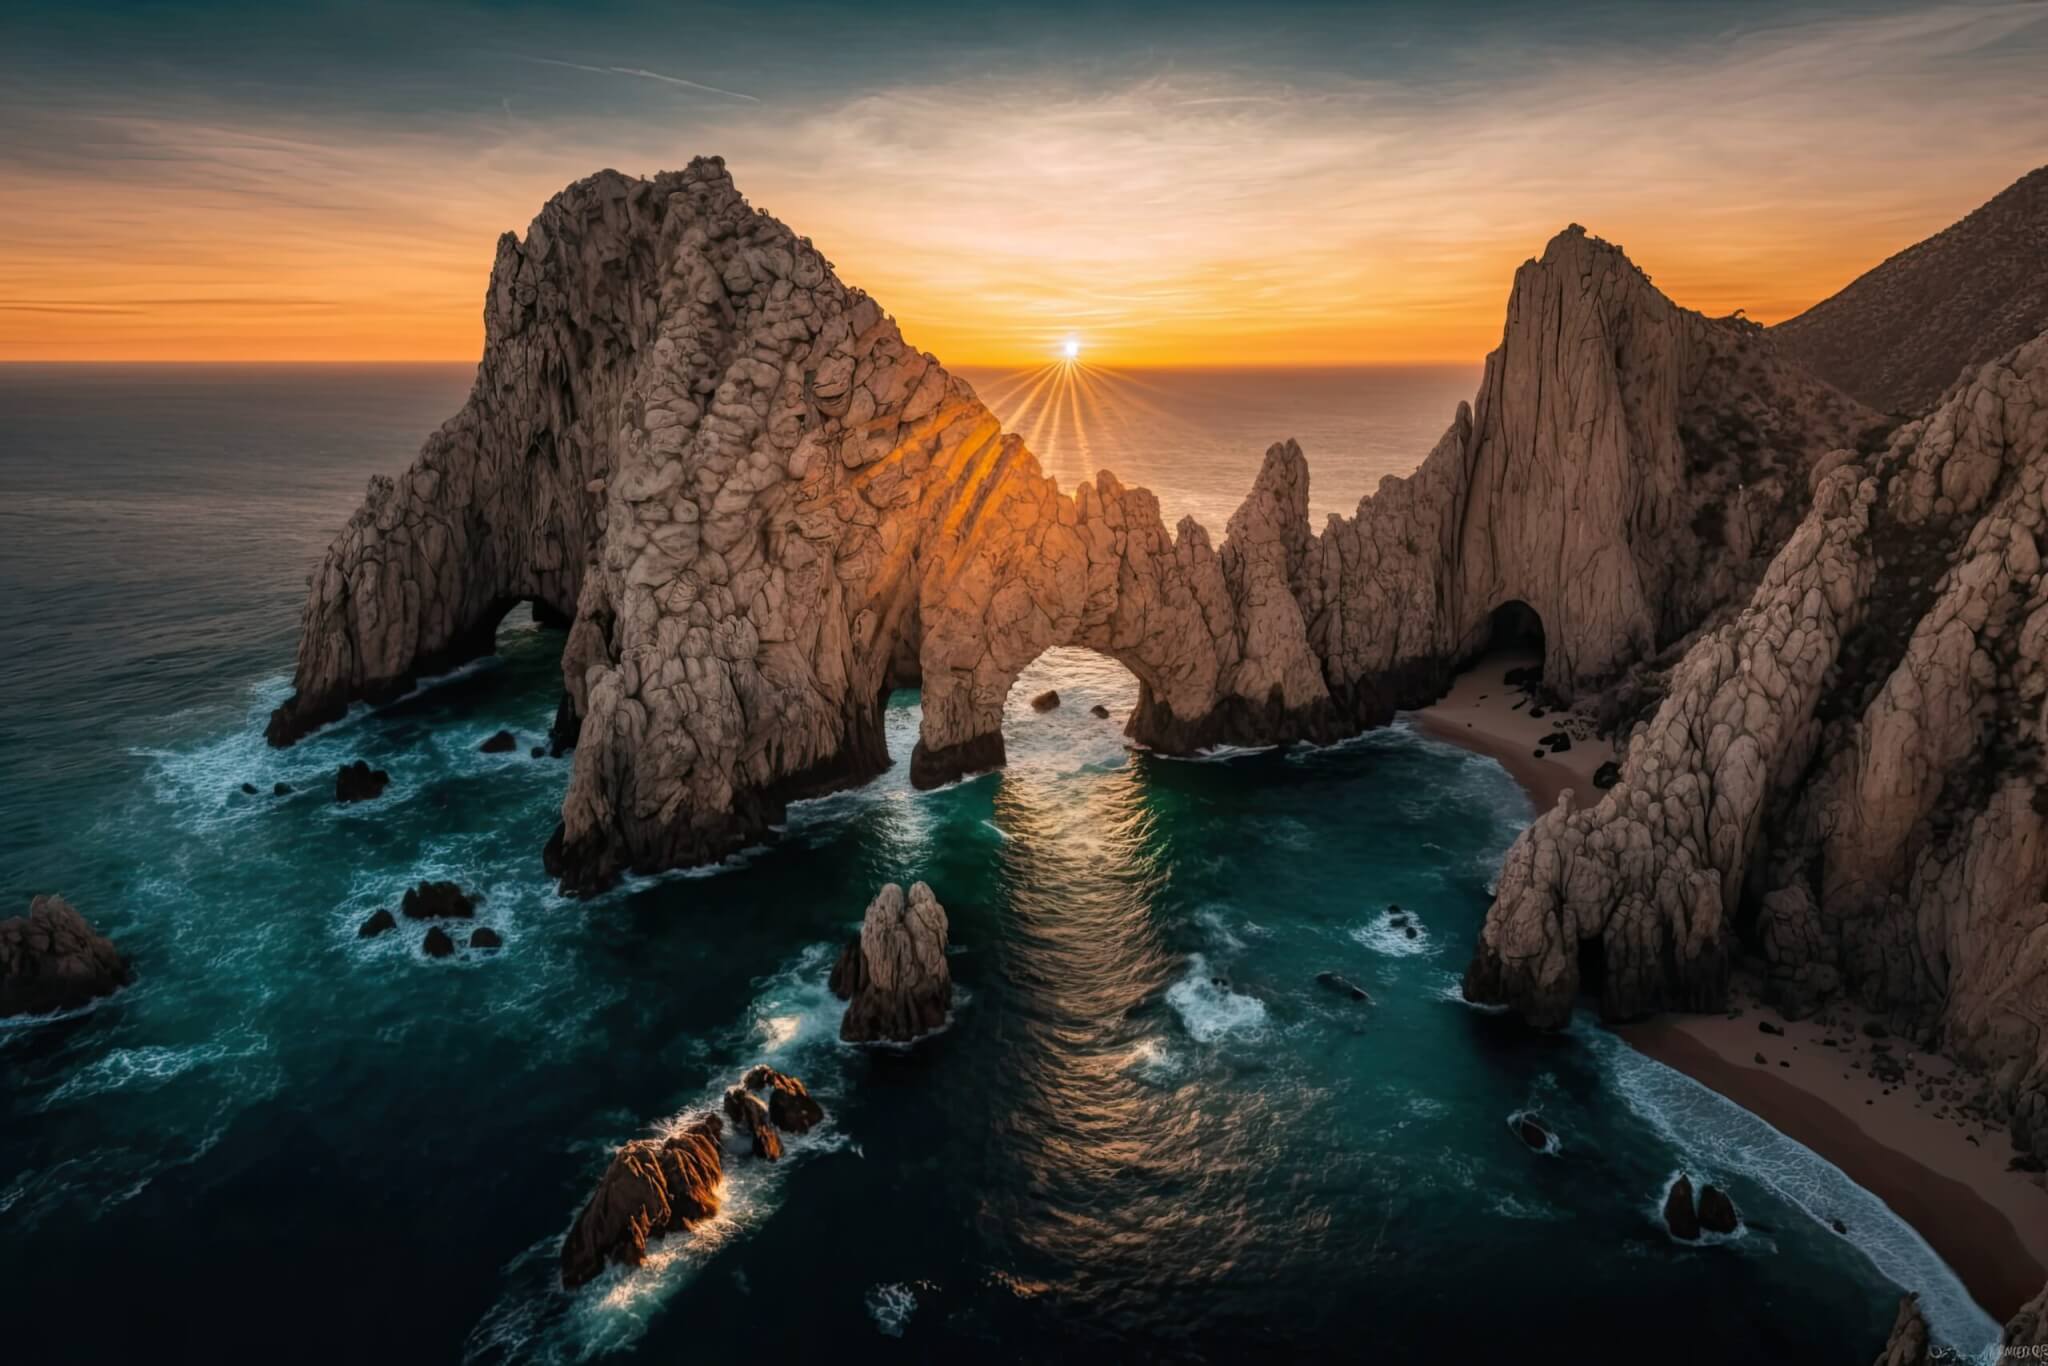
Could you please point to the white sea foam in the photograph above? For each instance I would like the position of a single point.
(1212, 1013)
(891, 1306)
(1383, 936)
(1150, 1060)
(1552, 1144)
(1213, 919)
(1716, 1134)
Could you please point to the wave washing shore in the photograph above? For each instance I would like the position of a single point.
(1936, 1165)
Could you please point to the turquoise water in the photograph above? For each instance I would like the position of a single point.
(1147, 1133)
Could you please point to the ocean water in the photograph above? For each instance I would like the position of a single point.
(1147, 1133)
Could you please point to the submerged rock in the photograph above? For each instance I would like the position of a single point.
(789, 1101)
(894, 977)
(358, 782)
(1342, 985)
(378, 923)
(51, 960)
(1679, 1215)
(281, 790)
(504, 742)
(653, 1187)
(1045, 701)
(248, 789)
(750, 1117)
(1535, 1132)
(438, 901)
(1717, 1211)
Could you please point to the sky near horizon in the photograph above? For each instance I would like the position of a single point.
(1171, 184)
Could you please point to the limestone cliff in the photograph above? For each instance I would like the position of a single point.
(759, 509)
(1845, 779)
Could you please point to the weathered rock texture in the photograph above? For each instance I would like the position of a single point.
(760, 509)
(1845, 779)
(1906, 330)
(654, 1187)
(50, 959)
(894, 977)
(1910, 1345)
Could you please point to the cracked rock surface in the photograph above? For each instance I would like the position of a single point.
(894, 977)
(758, 509)
(51, 959)
(1846, 778)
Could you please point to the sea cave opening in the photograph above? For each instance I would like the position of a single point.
(1515, 628)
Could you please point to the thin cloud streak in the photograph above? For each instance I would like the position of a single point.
(643, 74)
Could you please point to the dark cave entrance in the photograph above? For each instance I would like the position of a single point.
(1515, 628)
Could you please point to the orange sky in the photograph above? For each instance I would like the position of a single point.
(1181, 217)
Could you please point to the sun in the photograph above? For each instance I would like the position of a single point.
(1071, 348)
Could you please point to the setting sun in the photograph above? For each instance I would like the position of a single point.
(1071, 348)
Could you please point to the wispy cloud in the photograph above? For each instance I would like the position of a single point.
(641, 73)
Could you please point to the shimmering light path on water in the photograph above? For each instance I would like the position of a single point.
(1147, 1132)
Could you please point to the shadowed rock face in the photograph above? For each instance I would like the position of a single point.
(761, 509)
(1848, 776)
(1905, 331)
(50, 959)
(894, 976)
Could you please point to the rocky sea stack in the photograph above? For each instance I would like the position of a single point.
(51, 960)
(893, 976)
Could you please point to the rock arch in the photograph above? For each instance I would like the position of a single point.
(761, 509)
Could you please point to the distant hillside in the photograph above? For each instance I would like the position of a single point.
(1903, 332)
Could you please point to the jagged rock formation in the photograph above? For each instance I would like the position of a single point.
(653, 1187)
(894, 977)
(1904, 331)
(1910, 1345)
(790, 1104)
(50, 960)
(1847, 778)
(760, 509)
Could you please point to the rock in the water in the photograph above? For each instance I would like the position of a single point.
(1717, 1211)
(248, 789)
(790, 1103)
(437, 901)
(1099, 712)
(358, 782)
(538, 752)
(378, 923)
(653, 1187)
(51, 959)
(281, 790)
(484, 937)
(437, 944)
(1341, 985)
(750, 1117)
(1045, 701)
(504, 742)
(895, 976)
(1679, 1215)
(1534, 1132)
(1908, 1343)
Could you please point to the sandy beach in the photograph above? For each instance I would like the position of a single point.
(1888, 1115)
(1483, 712)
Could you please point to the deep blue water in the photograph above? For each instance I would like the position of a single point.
(1147, 1133)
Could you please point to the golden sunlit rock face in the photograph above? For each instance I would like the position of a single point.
(762, 509)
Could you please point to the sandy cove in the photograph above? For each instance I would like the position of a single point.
(1909, 1142)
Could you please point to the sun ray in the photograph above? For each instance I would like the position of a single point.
(1020, 409)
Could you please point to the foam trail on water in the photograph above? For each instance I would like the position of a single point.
(1716, 1131)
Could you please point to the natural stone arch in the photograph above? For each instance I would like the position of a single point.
(756, 496)
(1215, 640)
